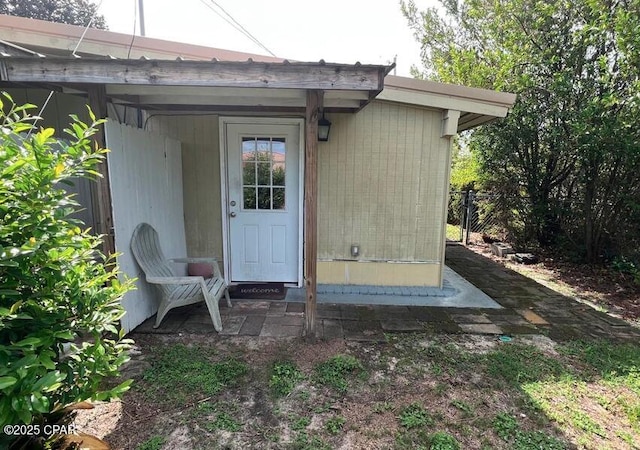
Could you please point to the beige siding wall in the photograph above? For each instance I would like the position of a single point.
(201, 178)
(382, 179)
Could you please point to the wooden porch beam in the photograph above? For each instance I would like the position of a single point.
(314, 103)
(101, 189)
(192, 73)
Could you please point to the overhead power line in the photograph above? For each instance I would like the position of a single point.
(224, 15)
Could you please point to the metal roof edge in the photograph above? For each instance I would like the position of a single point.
(487, 96)
(58, 33)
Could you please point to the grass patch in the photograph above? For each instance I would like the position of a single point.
(414, 416)
(337, 372)
(600, 403)
(443, 441)
(284, 378)
(619, 364)
(462, 406)
(153, 443)
(335, 424)
(414, 439)
(300, 423)
(179, 373)
(223, 421)
(305, 442)
(508, 429)
(517, 364)
(382, 407)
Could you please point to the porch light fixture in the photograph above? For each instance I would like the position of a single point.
(323, 129)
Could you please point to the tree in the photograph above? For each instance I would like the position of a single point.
(59, 296)
(73, 12)
(571, 143)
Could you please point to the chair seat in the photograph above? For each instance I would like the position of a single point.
(185, 291)
(175, 290)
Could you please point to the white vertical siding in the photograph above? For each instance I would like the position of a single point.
(145, 171)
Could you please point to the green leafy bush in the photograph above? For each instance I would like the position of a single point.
(59, 296)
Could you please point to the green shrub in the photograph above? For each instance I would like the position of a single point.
(59, 296)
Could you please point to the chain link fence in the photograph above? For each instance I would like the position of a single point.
(484, 216)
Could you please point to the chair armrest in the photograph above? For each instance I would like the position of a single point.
(212, 261)
(175, 280)
(194, 260)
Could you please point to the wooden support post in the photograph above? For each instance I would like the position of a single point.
(314, 103)
(101, 190)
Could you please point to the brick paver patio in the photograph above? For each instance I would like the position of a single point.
(528, 308)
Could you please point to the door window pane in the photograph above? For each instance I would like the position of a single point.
(278, 198)
(249, 173)
(249, 198)
(264, 174)
(264, 198)
(248, 149)
(278, 175)
(263, 167)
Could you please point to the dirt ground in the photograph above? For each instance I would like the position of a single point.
(446, 376)
(483, 393)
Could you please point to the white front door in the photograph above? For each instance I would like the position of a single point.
(263, 201)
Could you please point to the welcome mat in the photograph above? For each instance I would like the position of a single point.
(261, 291)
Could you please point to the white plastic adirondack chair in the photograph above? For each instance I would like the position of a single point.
(174, 290)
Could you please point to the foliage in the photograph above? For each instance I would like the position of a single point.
(465, 169)
(628, 267)
(153, 443)
(263, 182)
(615, 363)
(505, 426)
(300, 423)
(443, 441)
(59, 296)
(517, 364)
(304, 442)
(179, 372)
(335, 424)
(335, 372)
(571, 144)
(508, 429)
(224, 421)
(284, 377)
(73, 12)
(414, 416)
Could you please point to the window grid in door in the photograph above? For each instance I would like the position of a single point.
(263, 173)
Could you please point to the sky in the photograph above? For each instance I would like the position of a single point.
(344, 31)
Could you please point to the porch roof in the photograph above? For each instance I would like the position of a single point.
(20, 37)
(186, 85)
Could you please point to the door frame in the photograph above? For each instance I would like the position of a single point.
(224, 186)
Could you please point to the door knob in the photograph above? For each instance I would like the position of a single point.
(232, 214)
